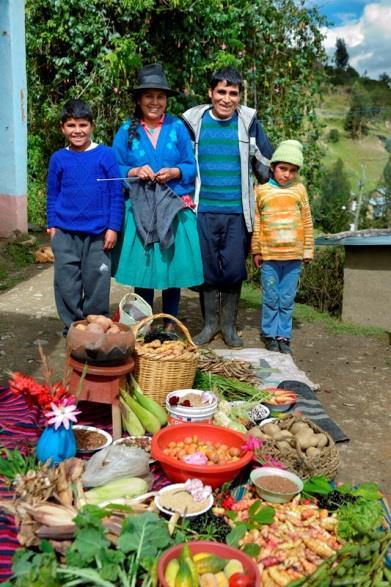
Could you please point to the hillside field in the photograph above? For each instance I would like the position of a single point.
(364, 158)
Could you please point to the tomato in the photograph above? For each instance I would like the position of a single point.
(240, 580)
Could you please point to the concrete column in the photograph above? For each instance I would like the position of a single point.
(13, 118)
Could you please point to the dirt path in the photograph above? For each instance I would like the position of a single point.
(354, 372)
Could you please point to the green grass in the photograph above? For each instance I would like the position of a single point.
(252, 298)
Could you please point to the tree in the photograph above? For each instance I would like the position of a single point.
(92, 49)
(331, 210)
(341, 56)
(386, 79)
(356, 122)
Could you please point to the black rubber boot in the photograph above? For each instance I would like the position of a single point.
(211, 307)
(229, 312)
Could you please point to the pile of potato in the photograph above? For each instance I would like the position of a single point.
(299, 444)
(299, 435)
(99, 325)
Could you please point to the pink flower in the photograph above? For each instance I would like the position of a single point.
(62, 414)
(252, 443)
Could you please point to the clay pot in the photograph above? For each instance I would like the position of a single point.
(100, 347)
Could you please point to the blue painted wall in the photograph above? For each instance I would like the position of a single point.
(13, 99)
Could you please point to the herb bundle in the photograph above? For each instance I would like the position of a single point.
(229, 388)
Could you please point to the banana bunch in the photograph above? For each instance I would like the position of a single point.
(140, 413)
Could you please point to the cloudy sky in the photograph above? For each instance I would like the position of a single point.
(366, 29)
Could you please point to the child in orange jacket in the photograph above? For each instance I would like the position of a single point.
(282, 240)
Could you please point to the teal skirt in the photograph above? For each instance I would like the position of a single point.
(178, 266)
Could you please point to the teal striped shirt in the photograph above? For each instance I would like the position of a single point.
(219, 163)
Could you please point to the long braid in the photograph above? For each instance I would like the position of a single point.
(133, 134)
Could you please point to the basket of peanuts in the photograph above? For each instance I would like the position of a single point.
(163, 366)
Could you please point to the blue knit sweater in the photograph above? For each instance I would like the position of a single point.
(219, 163)
(76, 201)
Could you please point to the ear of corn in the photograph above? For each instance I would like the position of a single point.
(148, 420)
(148, 403)
(130, 421)
(122, 487)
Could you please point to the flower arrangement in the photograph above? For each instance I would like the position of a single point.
(57, 403)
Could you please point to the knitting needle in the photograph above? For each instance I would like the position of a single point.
(112, 179)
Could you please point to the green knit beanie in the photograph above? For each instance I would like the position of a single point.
(289, 152)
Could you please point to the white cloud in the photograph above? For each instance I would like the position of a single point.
(368, 40)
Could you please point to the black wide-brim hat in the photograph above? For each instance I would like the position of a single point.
(152, 77)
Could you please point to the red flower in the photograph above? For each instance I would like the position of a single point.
(227, 502)
(37, 394)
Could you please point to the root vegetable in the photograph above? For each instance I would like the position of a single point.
(322, 440)
(298, 426)
(272, 430)
(114, 329)
(286, 434)
(92, 317)
(81, 327)
(104, 322)
(257, 432)
(94, 327)
(306, 439)
(284, 446)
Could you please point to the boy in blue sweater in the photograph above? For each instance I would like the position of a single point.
(84, 216)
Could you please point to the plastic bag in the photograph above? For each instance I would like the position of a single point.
(132, 309)
(113, 462)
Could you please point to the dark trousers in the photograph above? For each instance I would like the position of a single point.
(170, 298)
(82, 272)
(224, 241)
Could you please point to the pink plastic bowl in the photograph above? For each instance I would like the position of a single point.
(221, 550)
(214, 475)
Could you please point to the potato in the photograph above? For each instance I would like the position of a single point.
(106, 323)
(286, 434)
(114, 329)
(322, 440)
(312, 451)
(257, 432)
(298, 426)
(81, 327)
(306, 439)
(92, 317)
(272, 430)
(284, 446)
(94, 327)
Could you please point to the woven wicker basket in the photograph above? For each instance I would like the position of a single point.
(158, 376)
(326, 463)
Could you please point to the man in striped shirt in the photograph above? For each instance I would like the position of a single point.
(230, 145)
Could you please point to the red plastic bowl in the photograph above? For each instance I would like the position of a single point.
(214, 475)
(222, 550)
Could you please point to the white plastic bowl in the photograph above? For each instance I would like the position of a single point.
(182, 414)
(169, 488)
(106, 435)
(191, 410)
(273, 496)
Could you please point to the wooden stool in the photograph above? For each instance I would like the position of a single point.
(101, 384)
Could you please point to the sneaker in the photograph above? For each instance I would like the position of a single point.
(270, 343)
(284, 346)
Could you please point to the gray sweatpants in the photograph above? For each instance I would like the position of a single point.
(82, 272)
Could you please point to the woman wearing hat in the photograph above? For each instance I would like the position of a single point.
(160, 247)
